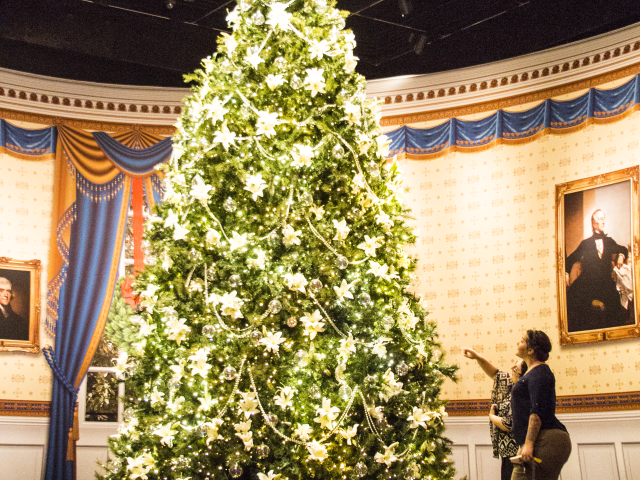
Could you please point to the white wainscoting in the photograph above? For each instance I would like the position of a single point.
(631, 455)
(598, 461)
(22, 447)
(606, 446)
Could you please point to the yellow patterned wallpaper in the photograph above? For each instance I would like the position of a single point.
(486, 254)
(26, 202)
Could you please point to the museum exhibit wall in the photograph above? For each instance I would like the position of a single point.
(486, 251)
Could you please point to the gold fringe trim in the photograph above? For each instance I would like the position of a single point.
(24, 156)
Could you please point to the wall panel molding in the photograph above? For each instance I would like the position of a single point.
(598, 461)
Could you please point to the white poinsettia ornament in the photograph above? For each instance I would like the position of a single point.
(315, 81)
(313, 324)
(272, 341)
(302, 155)
(284, 399)
(255, 184)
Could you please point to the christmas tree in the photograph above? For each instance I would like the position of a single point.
(277, 337)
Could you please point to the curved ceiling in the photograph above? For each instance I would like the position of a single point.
(143, 42)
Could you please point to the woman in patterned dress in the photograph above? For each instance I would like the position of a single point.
(501, 419)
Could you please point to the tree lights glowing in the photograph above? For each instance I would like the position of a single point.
(277, 335)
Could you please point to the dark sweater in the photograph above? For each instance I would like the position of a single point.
(535, 393)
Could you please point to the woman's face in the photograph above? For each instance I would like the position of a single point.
(521, 348)
(516, 371)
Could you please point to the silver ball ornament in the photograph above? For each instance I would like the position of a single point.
(388, 322)
(235, 470)
(271, 418)
(315, 286)
(402, 369)
(314, 392)
(280, 63)
(262, 451)
(208, 331)
(275, 306)
(171, 315)
(292, 322)
(360, 469)
(257, 18)
(256, 336)
(302, 358)
(341, 262)
(193, 255)
(230, 205)
(373, 169)
(235, 281)
(345, 392)
(337, 151)
(365, 300)
(306, 199)
(295, 82)
(229, 373)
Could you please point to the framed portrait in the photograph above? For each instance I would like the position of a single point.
(597, 233)
(19, 305)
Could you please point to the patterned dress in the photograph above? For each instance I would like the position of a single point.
(504, 445)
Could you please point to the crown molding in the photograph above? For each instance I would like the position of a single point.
(409, 99)
(89, 102)
(558, 71)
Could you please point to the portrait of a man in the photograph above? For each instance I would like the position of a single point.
(593, 297)
(19, 305)
(13, 326)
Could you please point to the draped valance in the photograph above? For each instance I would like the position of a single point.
(503, 127)
(28, 144)
(98, 177)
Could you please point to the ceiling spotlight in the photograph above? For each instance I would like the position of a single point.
(170, 4)
(405, 7)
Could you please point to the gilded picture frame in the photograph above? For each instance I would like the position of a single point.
(597, 257)
(20, 305)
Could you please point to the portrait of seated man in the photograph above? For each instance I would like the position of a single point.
(593, 301)
(12, 325)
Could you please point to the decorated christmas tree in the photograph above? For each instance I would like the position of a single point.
(277, 337)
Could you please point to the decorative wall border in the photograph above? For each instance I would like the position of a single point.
(540, 95)
(7, 114)
(605, 402)
(24, 408)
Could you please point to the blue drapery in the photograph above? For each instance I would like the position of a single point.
(134, 161)
(96, 239)
(27, 144)
(551, 116)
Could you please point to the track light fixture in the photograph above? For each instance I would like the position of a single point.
(421, 42)
(170, 4)
(405, 7)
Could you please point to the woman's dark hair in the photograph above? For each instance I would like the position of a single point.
(523, 368)
(540, 343)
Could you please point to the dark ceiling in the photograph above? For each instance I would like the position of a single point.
(143, 42)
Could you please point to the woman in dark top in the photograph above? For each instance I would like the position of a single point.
(501, 419)
(544, 443)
